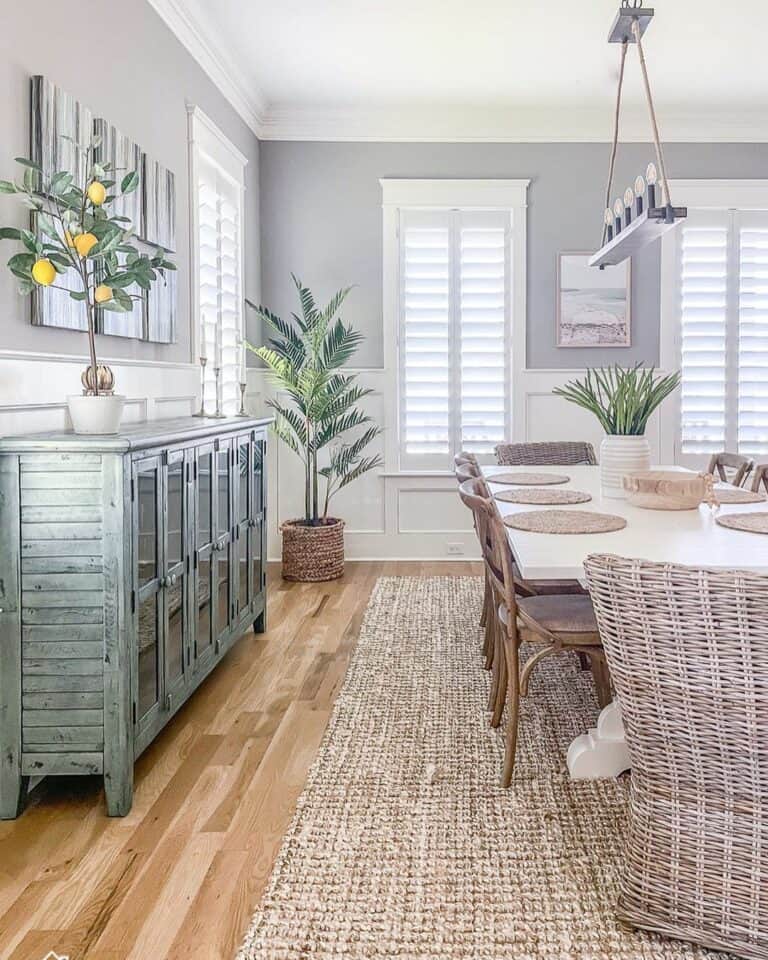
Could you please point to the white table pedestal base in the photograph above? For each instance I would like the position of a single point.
(602, 752)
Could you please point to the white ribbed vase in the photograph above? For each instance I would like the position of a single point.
(620, 455)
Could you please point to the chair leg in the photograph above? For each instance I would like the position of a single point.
(486, 598)
(500, 670)
(513, 702)
(602, 678)
(529, 666)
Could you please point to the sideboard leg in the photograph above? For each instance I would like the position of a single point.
(118, 787)
(260, 623)
(13, 796)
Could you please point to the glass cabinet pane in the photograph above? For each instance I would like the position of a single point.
(258, 473)
(204, 635)
(222, 589)
(146, 493)
(242, 481)
(242, 566)
(174, 640)
(222, 475)
(148, 655)
(174, 513)
(204, 492)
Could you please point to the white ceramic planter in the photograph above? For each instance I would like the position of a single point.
(618, 456)
(96, 415)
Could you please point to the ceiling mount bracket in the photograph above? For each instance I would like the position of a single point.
(621, 31)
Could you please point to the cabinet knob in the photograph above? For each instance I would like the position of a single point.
(251, 522)
(172, 579)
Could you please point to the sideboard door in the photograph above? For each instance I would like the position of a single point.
(148, 601)
(174, 577)
(222, 542)
(204, 633)
(243, 585)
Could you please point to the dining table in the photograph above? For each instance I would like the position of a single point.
(691, 537)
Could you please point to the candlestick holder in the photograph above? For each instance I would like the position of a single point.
(241, 412)
(218, 415)
(201, 412)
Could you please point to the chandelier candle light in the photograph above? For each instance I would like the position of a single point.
(636, 220)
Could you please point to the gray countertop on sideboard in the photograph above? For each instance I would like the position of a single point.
(132, 436)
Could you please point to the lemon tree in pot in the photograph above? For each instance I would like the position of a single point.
(75, 244)
(322, 424)
(623, 400)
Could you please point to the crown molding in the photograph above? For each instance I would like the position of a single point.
(230, 81)
(511, 125)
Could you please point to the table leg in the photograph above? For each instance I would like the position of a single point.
(602, 752)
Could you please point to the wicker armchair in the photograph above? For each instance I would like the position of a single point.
(540, 454)
(688, 653)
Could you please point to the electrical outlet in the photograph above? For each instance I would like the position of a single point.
(455, 549)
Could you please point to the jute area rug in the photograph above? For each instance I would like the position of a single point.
(404, 845)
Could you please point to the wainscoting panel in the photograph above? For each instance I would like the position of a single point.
(418, 516)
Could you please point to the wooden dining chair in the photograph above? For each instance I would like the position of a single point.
(739, 467)
(760, 478)
(553, 622)
(689, 657)
(464, 457)
(542, 454)
(465, 471)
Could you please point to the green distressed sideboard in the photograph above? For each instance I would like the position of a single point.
(128, 567)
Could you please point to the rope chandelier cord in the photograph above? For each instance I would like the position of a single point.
(637, 35)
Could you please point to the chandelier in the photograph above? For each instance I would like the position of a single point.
(645, 211)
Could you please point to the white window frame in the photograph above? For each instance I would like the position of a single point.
(696, 195)
(207, 140)
(428, 194)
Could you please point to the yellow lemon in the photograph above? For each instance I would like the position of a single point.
(84, 243)
(43, 272)
(97, 193)
(102, 293)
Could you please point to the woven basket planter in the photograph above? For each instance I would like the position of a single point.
(313, 553)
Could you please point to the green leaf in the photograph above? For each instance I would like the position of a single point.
(60, 182)
(7, 187)
(26, 287)
(30, 178)
(129, 182)
(30, 164)
(46, 225)
(10, 233)
(32, 203)
(78, 295)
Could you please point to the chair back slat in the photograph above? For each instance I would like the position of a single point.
(565, 452)
(760, 478)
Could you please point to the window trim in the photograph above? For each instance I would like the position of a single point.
(204, 137)
(446, 194)
(748, 194)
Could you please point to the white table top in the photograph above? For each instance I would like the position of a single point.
(669, 536)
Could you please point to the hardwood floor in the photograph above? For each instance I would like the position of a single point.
(180, 876)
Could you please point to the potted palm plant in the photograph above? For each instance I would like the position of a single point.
(322, 424)
(623, 401)
(74, 244)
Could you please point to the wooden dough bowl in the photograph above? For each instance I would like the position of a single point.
(667, 489)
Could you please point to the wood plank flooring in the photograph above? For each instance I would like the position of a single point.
(180, 876)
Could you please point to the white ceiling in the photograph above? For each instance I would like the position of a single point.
(485, 69)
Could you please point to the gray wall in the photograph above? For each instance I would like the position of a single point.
(321, 218)
(124, 62)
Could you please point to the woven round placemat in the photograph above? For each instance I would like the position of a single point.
(749, 522)
(534, 495)
(735, 495)
(529, 479)
(565, 521)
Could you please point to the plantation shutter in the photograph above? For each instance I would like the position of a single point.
(454, 349)
(220, 283)
(724, 332)
(753, 332)
(703, 331)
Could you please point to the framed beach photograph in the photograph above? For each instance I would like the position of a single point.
(593, 306)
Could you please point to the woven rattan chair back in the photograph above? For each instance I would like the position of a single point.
(760, 478)
(688, 653)
(541, 454)
(739, 467)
